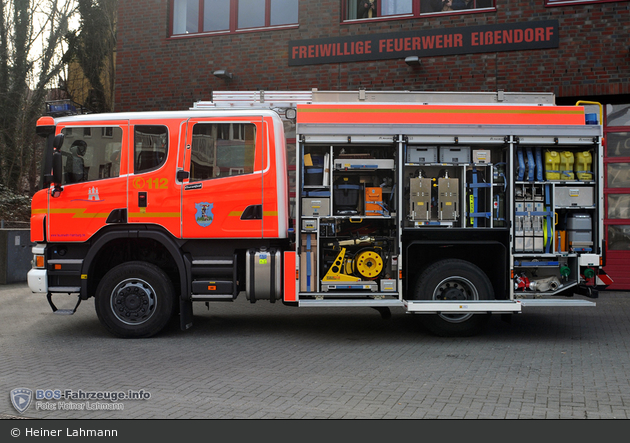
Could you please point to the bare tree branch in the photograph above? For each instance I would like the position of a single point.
(26, 74)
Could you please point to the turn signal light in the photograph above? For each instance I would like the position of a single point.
(39, 261)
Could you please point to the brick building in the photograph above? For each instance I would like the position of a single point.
(169, 50)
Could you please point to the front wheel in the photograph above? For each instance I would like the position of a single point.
(135, 300)
(454, 279)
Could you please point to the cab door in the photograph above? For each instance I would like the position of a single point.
(153, 190)
(93, 180)
(223, 195)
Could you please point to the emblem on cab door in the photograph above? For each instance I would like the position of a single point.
(204, 214)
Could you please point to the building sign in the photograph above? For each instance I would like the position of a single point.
(434, 42)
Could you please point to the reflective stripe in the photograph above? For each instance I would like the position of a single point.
(79, 213)
(265, 214)
(155, 214)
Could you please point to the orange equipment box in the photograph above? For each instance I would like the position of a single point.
(374, 202)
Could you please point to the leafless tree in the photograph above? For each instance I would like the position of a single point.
(93, 49)
(32, 55)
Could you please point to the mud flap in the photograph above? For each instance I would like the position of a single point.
(185, 314)
(587, 291)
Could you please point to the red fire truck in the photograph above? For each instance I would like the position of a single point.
(450, 205)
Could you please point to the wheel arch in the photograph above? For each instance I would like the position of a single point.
(112, 241)
(490, 256)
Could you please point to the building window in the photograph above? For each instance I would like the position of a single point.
(205, 16)
(574, 2)
(372, 9)
(185, 16)
(619, 237)
(617, 168)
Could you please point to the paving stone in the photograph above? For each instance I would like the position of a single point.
(270, 361)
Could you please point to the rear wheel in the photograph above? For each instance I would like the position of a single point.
(454, 279)
(135, 300)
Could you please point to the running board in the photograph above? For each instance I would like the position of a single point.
(62, 311)
(499, 306)
(64, 289)
(449, 307)
(550, 302)
(330, 303)
(212, 297)
(457, 306)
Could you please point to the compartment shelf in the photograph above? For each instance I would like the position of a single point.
(533, 295)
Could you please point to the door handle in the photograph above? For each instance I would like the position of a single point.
(142, 199)
(182, 175)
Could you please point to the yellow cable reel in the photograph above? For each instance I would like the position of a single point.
(369, 264)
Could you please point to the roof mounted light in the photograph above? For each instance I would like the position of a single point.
(290, 113)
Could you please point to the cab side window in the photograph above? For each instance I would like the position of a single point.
(222, 150)
(150, 147)
(90, 153)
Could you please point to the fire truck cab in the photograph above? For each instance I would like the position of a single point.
(151, 187)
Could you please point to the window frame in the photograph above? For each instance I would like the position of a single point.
(233, 21)
(557, 3)
(415, 14)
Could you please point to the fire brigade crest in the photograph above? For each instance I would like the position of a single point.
(21, 399)
(93, 194)
(204, 214)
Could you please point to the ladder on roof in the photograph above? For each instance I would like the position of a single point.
(290, 99)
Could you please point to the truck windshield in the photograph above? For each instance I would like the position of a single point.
(90, 153)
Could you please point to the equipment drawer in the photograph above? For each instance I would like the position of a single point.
(567, 196)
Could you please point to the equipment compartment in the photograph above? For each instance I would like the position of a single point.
(455, 192)
(348, 240)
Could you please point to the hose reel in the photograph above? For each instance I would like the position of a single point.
(365, 264)
(368, 263)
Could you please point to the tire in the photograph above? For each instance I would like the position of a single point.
(454, 279)
(135, 300)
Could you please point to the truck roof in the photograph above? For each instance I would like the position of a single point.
(407, 113)
(158, 115)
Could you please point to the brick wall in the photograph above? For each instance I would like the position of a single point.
(155, 72)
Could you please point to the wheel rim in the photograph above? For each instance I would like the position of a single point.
(455, 288)
(133, 301)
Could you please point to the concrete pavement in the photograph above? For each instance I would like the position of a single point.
(270, 361)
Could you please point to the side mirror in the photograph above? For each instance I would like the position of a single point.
(57, 166)
(58, 142)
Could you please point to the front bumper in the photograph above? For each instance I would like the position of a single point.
(38, 280)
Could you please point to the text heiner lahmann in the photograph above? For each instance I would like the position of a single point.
(32, 432)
